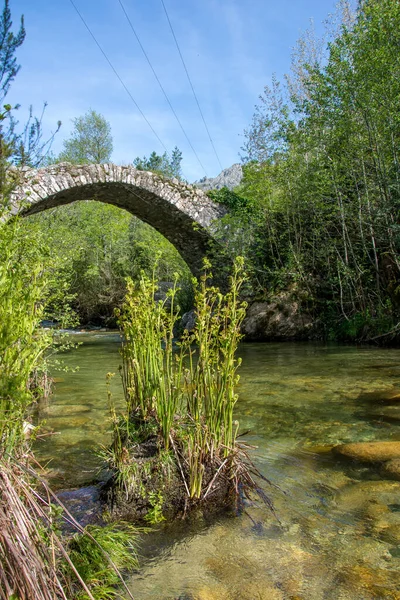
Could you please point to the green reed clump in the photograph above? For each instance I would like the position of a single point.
(212, 376)
(152, 372)
(186, 389)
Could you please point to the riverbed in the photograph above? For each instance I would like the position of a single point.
(336, 533)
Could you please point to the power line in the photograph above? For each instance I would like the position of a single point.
(160, 84)
(117, 75)
(191, 84)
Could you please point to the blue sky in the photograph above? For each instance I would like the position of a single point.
(231, 48)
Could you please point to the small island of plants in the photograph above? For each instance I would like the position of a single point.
(176, 446)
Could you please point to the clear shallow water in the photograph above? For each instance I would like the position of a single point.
(338, 535)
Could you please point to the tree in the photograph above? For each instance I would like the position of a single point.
(17, 146)
(324, 154)
(90, 142)
(9, 42)
(164, 164)
(175, 162)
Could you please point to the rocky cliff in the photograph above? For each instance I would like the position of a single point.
(229, 178)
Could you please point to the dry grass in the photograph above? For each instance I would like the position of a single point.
(29, 561)
(35, 561)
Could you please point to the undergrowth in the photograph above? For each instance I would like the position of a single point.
(98, 555)
(36, 562)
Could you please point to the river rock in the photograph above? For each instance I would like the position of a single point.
(369, 451)
(393, 399)
(188, 320)
(241, 578)
(390, 413)
(84, 505)
(62, 411)
(251, 590)
(283, 318)
(391, 534)
(68, 421)
(391, 469)
(319, 448)
(366, 582)
(213, 592)
(375, 511)
(359, 496)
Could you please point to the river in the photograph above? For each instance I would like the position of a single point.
(337, 531)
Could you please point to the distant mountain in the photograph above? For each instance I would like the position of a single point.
(229, 178)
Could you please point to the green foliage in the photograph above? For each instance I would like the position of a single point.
(363, 324)
(230, 199)
(95, 247)
(164, 164)
(90, 141)
(155, 514)
(188, 392)
(23, 287)
(28, 294)
(9, 42)
(98, 555)
(322, 173)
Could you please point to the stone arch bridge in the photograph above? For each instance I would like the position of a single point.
(180, 212)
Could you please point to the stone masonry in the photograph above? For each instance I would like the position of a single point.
(182, 213)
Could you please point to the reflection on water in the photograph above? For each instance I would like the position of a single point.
(338, 535)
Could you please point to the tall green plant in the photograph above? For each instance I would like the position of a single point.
(23, 287)
(211, 377)
(188, 391)
(152, 373)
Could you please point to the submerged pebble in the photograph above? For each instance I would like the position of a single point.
(391, 469)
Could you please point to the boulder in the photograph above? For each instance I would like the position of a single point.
(280, 319)
(84, 505)
(188, 320)
(367, 496)
(369, 451)
(388, 413)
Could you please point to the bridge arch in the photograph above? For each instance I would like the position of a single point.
(180, 212)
